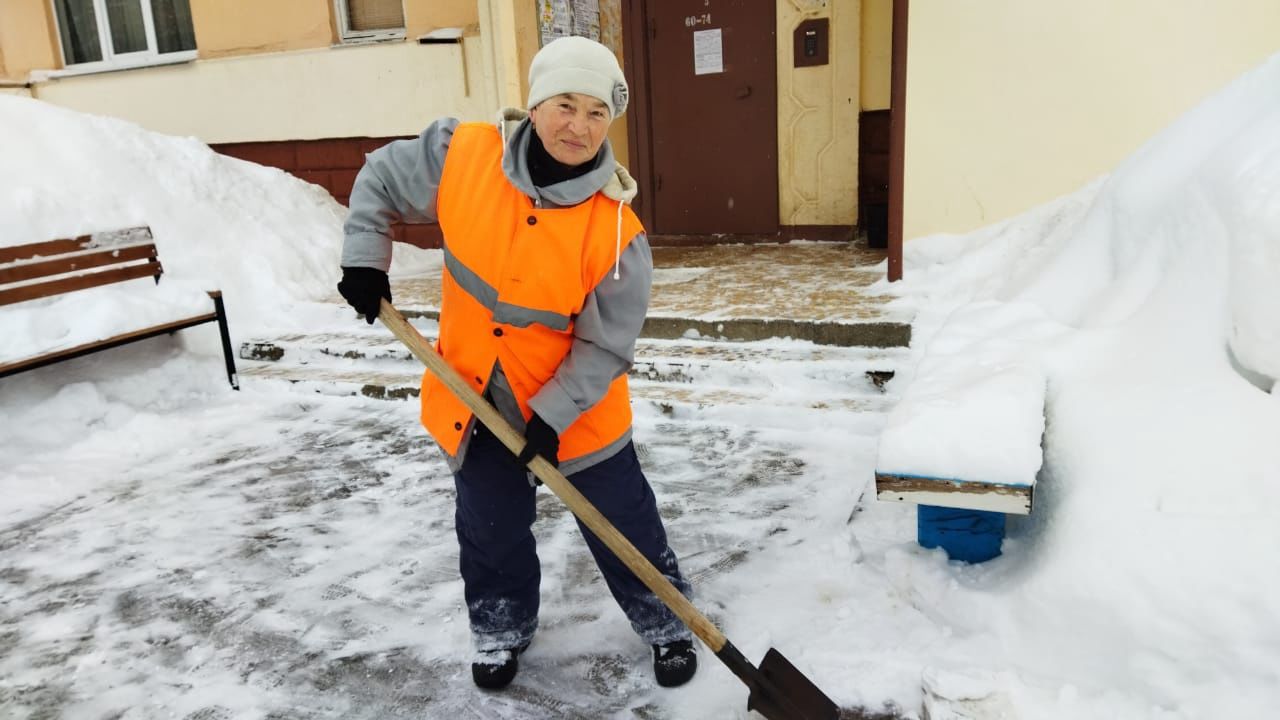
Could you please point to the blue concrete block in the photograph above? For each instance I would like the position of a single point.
(969, 535)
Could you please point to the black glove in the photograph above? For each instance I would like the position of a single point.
(540, 439)
(364, 288)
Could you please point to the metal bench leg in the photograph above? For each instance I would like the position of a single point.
(226, 340)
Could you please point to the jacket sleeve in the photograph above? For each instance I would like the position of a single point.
(604, 339)
(398, 182)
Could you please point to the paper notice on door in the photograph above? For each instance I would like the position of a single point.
(708, 52)
(555, 19)
(586, 19)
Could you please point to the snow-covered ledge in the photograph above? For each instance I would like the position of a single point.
(967, 433)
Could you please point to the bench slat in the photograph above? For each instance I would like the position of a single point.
(993, 497)
(44, 249)
(79, 282)
(49, 248)
(74, 263)
(42, 360)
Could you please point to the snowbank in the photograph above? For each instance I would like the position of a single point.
(1148, 569)
(263, 237)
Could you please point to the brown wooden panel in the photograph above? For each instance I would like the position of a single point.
(43, 249)
(79, 282)
(874, 175)
(74, 263)
(50, 358)
(874, 127)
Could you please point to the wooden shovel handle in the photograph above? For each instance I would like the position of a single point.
(551, 477)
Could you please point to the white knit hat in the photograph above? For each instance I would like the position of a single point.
(577, 65)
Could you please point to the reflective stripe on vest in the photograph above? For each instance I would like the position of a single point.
(514, 279)
(486, 295)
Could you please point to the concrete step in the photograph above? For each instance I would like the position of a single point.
(741, 367)
(840, 333)
(401, 381)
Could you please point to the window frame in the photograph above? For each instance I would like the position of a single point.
(348, 36)
(112, 60)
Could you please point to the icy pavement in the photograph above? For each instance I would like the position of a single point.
(291, 554)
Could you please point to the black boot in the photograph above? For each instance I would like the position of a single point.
(674, 663)
(495, 669)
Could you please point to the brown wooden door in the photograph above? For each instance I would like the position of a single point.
(712, 101)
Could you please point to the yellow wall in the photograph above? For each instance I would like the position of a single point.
(818, 118)
(27, 38)
(375, 90)
(423, 16)
(270, 71)
(1012, 103)
(877, 53)
(238, 27)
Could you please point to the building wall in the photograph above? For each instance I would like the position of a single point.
(1012, 103)
(818, 118)
(423, 16)
(384, 89)
(27, 38)
(877, 53)
(241, 27)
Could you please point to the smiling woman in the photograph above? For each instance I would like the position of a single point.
(572, 126)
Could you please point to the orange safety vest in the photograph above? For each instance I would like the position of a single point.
(514, 280)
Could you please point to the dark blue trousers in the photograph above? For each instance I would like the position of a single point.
(498, 555)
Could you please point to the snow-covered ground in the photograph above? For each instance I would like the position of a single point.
(1144, 311)
(169, 548)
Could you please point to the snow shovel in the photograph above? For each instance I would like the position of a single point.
(778, 690)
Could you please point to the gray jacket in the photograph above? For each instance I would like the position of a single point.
(399, 182)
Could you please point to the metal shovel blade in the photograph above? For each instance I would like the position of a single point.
(786, 694)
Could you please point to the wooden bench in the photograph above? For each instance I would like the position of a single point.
(965, 515)
(966, 440)
(56, 267)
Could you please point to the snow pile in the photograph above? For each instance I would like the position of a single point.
(1144, 584)
(263, 237)
(978, 397)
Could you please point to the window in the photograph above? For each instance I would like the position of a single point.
(371, 19)
(116, 33)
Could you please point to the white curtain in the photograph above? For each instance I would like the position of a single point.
(375, 14)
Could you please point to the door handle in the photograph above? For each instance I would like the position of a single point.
(744, 91)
